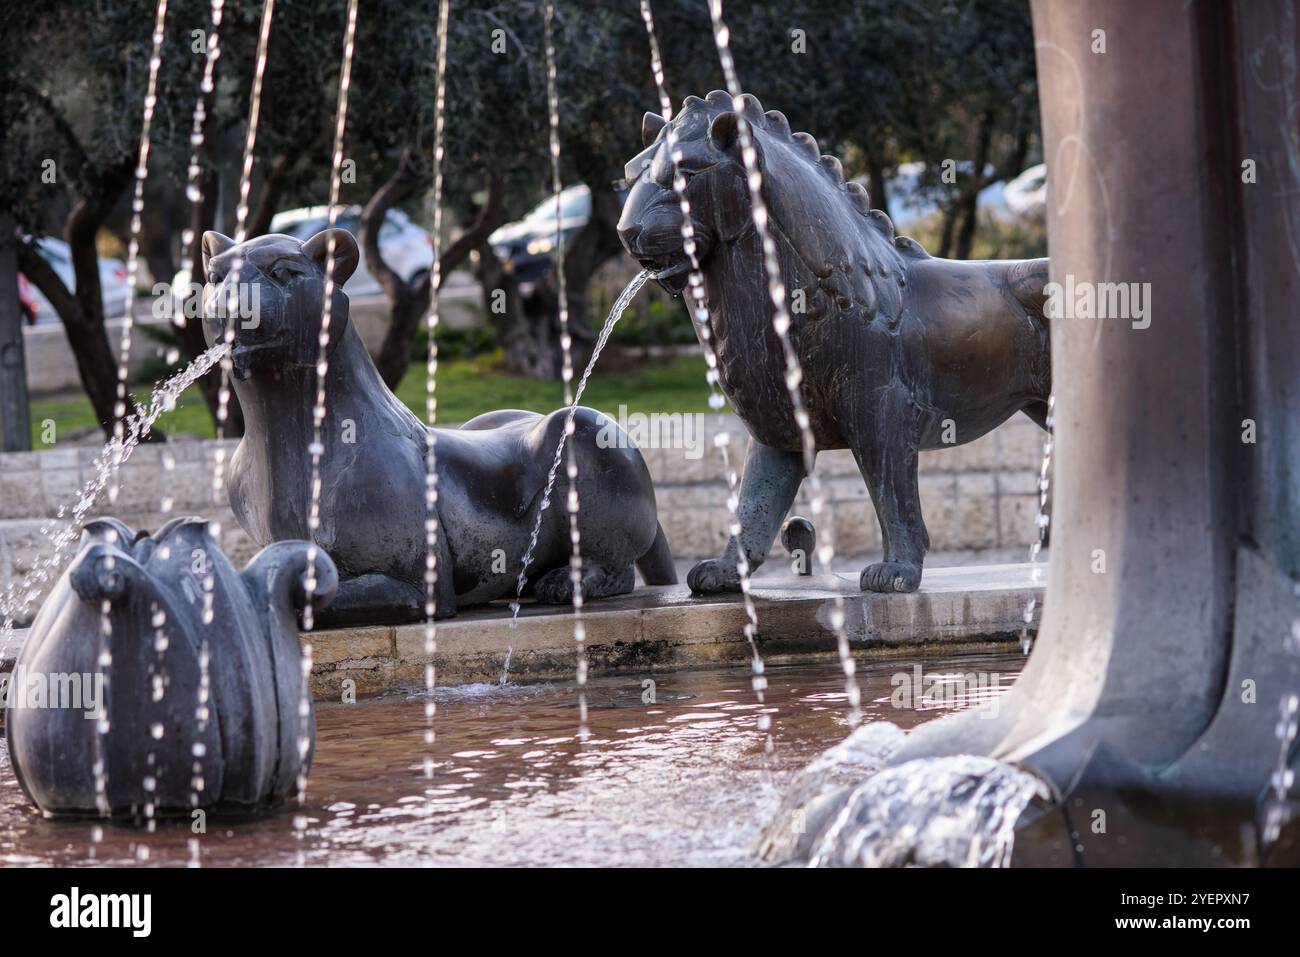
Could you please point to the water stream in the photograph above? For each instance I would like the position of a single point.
(620, 306)
(431, 400)
(65, 532)
(781, 325)
(700, 314)
(1042, 521)
(572, 503)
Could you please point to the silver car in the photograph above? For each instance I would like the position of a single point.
(407, 248)
(112, 282)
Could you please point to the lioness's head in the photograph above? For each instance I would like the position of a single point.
(271, 289)
(706, 133)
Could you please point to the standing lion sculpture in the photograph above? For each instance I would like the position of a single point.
(900, 352)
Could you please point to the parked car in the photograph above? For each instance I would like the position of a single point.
(407, 248)
(910, 202)
(1027, 193)
(525, 247)
(112, 282)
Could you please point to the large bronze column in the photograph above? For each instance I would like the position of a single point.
(1172, 140)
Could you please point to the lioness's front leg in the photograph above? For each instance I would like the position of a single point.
(375, 598)
(768, 488)
(884, 445)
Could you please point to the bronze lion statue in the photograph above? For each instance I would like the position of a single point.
(491, 471)
(900, 351)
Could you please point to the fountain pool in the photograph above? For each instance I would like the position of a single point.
(680, 777)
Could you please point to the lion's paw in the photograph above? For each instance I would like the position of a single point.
(713, 575)
(554, 588)
(890, 576)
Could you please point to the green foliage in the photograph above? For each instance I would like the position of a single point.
(876, 81)
(76, 72)
(156, 368)
(466, 387)
(454, 343)
(662, 322)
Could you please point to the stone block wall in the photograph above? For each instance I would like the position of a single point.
(979, 499)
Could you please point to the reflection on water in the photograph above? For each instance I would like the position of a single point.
(673, 774)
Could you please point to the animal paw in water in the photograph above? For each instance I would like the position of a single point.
(890, 576)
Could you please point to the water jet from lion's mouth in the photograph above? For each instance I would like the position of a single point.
(678, 272)
(675, 269)
(615, 313)
(65, 531)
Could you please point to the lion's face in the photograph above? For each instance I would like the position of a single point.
(271, 289)
(709, 160)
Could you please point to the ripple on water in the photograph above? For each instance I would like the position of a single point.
(683, 781)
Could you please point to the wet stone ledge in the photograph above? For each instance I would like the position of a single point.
(970, 609)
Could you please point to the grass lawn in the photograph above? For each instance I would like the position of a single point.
(466, 388)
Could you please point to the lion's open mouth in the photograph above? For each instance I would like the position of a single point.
(675, 277)
(244, 358)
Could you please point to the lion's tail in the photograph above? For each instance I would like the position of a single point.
(657, 565)
(799, 538)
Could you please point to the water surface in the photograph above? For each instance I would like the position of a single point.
(674, 773)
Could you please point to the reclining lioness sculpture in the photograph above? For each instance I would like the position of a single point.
(900, 352)
(491, 471)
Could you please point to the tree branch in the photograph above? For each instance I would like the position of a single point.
(408, 301)
(80, 229)
(84, 170)
(488, 219)
(42, 275)
(402, 184)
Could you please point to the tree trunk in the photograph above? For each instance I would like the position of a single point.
(528, 326)
(531, 348)
(15, 413)
(596, 244)
(202, 217)
(970, 202)
(268, 197)
(82, 311)
(966, 231)
(409, 300)
(156, 244)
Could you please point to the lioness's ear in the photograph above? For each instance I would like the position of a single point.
(214, 244)
(346, 252)
(651, 125)
(724, 131)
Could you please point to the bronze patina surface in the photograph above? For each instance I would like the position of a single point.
(900, 351)
(491, 471)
